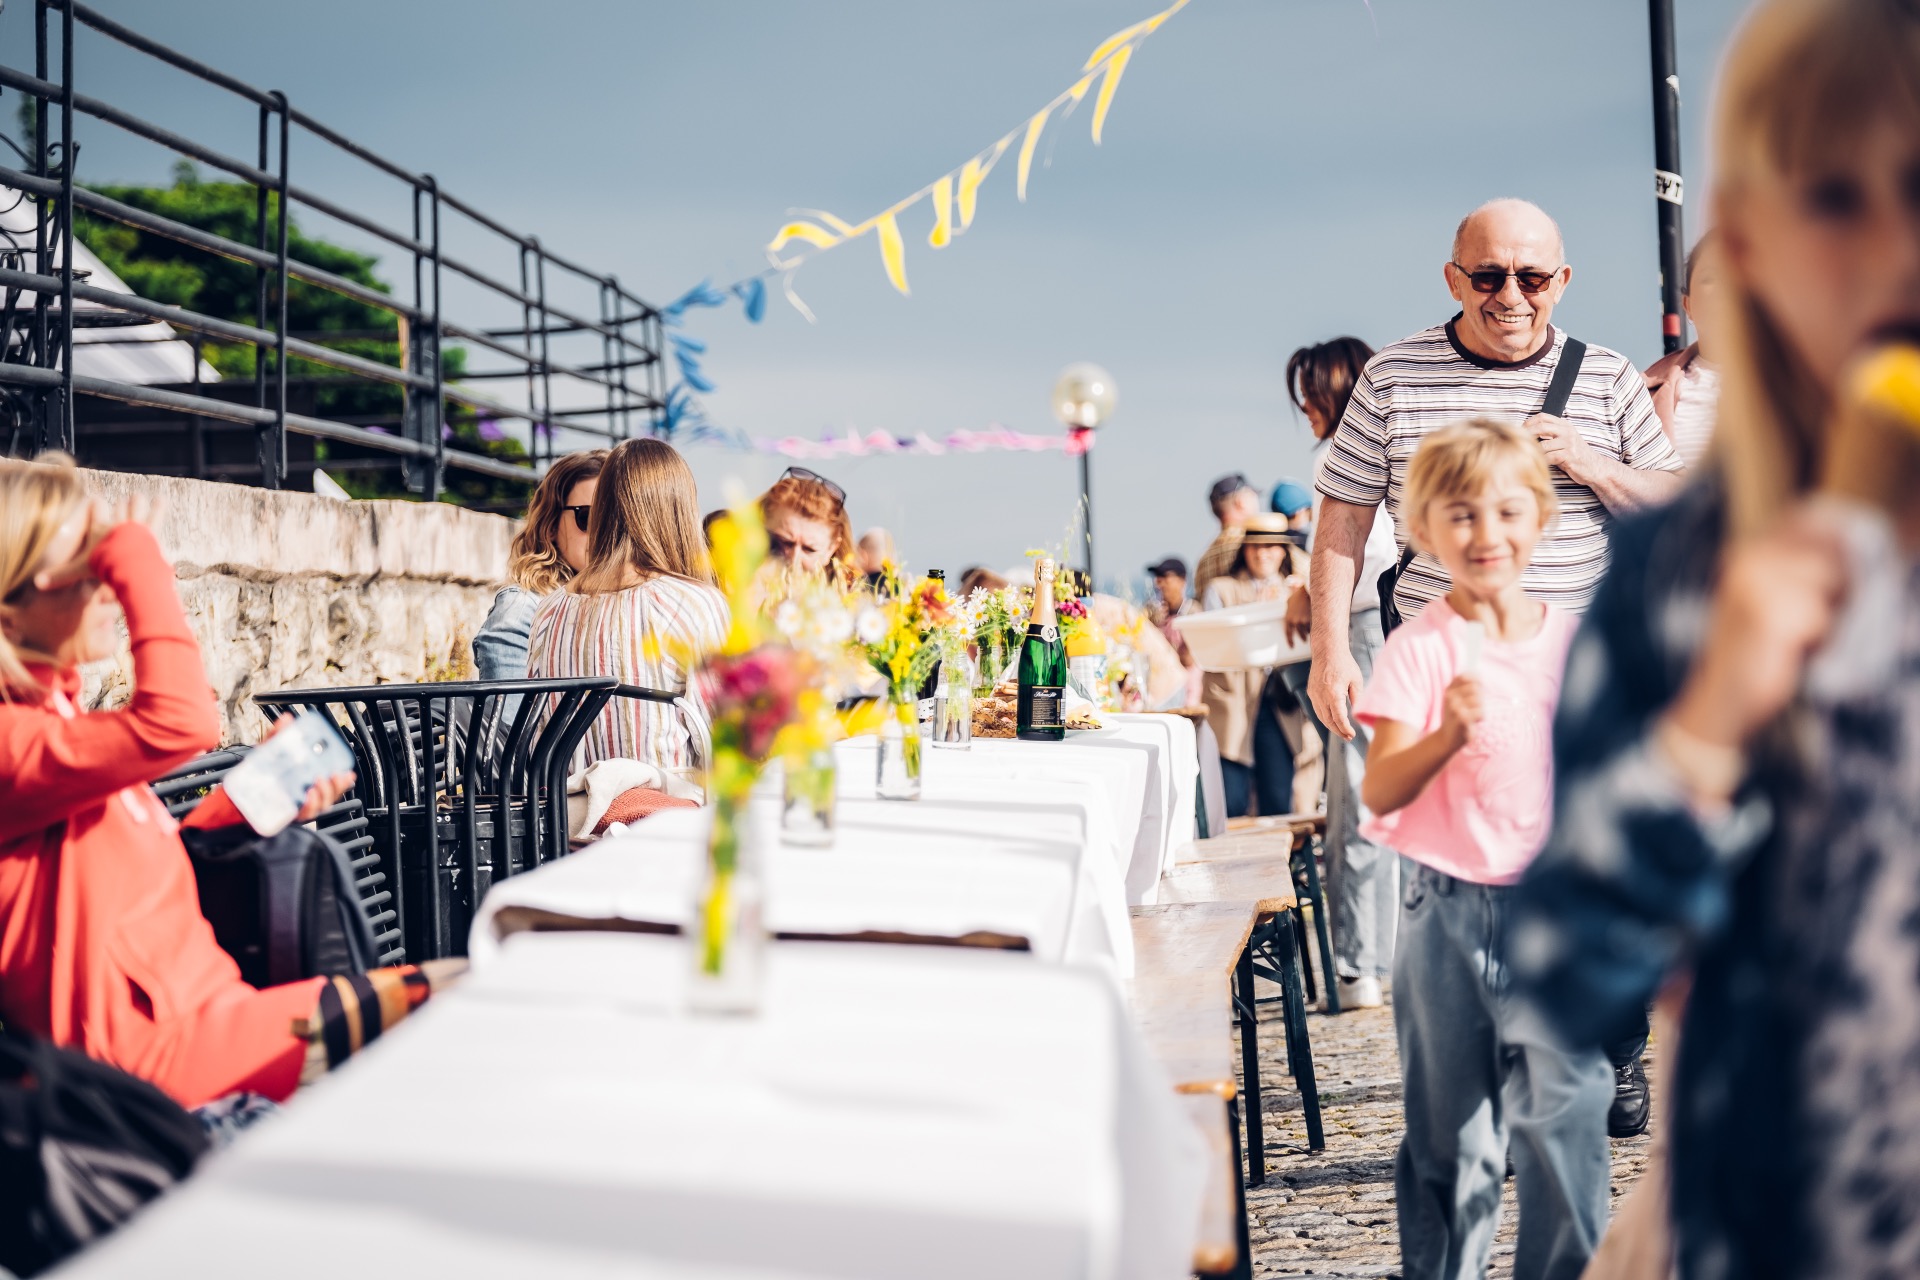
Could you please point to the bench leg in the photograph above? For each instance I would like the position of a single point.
(1245, 1010)
(1290, 947)
(1316, 894)
(1242, 1265)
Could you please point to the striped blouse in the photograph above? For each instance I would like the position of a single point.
(1418, 385)
(638, 636)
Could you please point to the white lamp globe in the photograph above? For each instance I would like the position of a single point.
(1084, 395)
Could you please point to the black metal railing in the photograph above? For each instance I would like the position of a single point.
(608, 393)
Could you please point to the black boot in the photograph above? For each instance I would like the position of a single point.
(1627, 1117)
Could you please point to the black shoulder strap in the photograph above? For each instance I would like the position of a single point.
(1560, 390)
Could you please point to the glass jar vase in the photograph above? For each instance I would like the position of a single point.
(897, 771)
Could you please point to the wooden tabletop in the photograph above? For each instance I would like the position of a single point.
(1216, 1246)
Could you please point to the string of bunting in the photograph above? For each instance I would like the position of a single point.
(854, 444)
(955, 194)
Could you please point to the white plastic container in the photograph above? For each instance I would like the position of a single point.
(1241, 636)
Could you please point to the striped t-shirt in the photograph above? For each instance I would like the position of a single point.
(636, 635)
(1420, 384)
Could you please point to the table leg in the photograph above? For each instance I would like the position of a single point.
(1242, 1265)
(1246, 1009)
(1316, 894)
(1292, 947)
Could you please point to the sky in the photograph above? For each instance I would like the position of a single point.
(1273, 173)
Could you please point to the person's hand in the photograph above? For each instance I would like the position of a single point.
(324, 794)
(1299, 615)
(1563, 444)
(1332, 686)
(73, 546)
(1462, 710)
(1776, 601)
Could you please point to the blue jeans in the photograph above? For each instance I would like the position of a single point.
(1471, 1073)
(1363, 878)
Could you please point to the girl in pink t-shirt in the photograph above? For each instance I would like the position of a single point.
(1460, 781)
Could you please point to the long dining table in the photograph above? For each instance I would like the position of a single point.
(891, 1109)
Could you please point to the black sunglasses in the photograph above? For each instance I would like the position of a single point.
(801, 473)
(580, 515)
(1490, 280)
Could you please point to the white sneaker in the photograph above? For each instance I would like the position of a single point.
(1360, 993)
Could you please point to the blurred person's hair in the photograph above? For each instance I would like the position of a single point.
(1801, 83)
(1458, 461)
(978, 576)
(646, 520)
(534, 562)
(1700, 246)
(1324, 375)
(36, 498)
(707, 522)
(1223, 491)
(811, 500)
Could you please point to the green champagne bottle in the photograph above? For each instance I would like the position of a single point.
(1042, 715)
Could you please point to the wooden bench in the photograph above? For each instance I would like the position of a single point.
(1184, 961)
(1295, 834)
(1278, 937)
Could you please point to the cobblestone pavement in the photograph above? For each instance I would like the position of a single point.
(1331, 1213)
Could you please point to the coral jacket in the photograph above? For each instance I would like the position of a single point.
(102, 944)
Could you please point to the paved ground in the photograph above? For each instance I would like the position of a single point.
(1331, 1213)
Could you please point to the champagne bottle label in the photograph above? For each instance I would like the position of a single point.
(1045, 708)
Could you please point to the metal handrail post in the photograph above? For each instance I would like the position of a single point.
(66, 230)
(546, 361)
(437, 418)
(526, 343)
(42, 338)
(607, 317)
(280, 322)
(260, 209)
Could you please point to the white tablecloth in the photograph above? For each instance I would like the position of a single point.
(893, 1111)
(1041, 841)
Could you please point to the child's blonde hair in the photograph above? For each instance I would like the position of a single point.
(1458, 460)
(36, 498)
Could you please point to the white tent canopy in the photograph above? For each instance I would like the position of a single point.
(147, 354)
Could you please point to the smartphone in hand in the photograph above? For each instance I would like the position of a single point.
(270, 785)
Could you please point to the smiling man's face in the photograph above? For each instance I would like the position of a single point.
(1507, 236)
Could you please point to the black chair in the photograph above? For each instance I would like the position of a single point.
(457, 795)
(345, 824)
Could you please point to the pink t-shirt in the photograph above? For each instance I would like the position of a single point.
(1486, 813)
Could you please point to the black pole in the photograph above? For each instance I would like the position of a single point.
(1667, 188)
(1086, 496)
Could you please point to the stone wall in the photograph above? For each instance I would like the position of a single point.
(290, 590)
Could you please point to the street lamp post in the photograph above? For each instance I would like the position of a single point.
(1083, 398)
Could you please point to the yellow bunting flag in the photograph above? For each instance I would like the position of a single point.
(942, 233)
(973, 173)
(820, 231)
(893, 252)
(1032, 140)
(1115, 66)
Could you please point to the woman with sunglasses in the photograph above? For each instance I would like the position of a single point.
(807, 524)
(549, 550)
(642, 610)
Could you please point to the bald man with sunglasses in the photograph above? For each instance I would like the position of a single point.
(1496, 358)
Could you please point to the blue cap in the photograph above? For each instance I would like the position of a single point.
(1290, 497)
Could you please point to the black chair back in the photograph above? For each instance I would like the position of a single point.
(460, 793)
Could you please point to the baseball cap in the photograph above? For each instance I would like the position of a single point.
(1171, 565)
(1290, 497)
